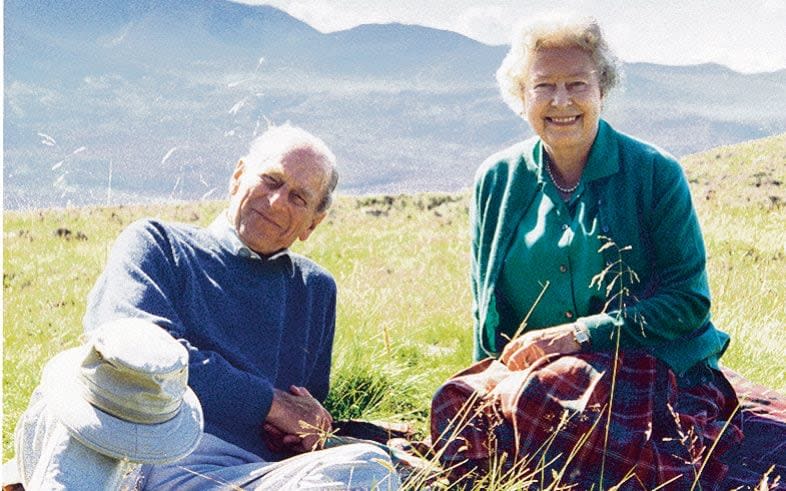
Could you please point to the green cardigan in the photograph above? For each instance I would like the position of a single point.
(644, 203)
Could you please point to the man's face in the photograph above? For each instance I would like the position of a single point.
(274, 203)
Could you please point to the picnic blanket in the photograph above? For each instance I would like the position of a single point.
(553, 417)
(763, 449)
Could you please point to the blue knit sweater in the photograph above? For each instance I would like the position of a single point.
(249, 324)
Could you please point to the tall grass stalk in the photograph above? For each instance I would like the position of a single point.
(622, 292)
(714, 444)
(402, 267)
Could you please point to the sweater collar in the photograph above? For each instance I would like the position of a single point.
(227, 236)
(602, 160)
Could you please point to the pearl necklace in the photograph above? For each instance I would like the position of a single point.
(556, 184)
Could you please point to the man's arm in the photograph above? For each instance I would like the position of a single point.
(141, 280)
(297, 419)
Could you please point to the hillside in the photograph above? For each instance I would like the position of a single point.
(401, 264)
(749, 173)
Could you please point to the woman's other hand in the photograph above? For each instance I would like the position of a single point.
(525, 349)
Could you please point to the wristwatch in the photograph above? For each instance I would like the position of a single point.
(581, 335)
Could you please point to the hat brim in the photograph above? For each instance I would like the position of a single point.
(148, 444)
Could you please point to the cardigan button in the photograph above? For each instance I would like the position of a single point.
(568, 314)
(563, 268)
(564, 226)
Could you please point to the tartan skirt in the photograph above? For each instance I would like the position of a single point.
(552, 420)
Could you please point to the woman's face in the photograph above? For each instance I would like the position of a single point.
(562, 99)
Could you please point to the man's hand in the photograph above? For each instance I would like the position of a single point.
(525, 349)
(296, 420)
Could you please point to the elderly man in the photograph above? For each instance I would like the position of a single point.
(257, 321)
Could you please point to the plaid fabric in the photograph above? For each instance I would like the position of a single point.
(553, 416)
(763, 416)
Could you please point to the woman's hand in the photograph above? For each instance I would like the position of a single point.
(525, 349)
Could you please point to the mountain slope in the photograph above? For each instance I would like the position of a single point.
(142, 99)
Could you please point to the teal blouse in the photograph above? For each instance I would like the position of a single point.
(637, 196)
(554, 251)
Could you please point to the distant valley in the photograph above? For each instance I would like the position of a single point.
(139, 100)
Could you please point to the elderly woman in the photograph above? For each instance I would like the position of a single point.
(589, 286)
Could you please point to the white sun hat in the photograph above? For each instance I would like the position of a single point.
(125, 394)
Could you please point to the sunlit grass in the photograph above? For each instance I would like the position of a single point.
(402, 268)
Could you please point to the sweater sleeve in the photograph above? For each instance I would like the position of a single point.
(676, 302)
(484, 212)
(319, 380)
(476, 219)
(141, 280)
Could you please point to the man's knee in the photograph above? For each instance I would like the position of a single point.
(361, 452)
(368, 464)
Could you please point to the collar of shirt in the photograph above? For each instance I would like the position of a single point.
(227, 236)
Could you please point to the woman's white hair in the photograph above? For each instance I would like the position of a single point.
(278, 141)
(554, 31)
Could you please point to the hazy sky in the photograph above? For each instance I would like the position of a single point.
(746, 35)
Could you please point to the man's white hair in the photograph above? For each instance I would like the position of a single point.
(278, 141)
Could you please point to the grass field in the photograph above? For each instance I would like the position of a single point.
(401, 264)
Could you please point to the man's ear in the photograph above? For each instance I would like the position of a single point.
(317, 218)
(234, 182)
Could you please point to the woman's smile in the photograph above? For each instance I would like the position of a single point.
(564, 120)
